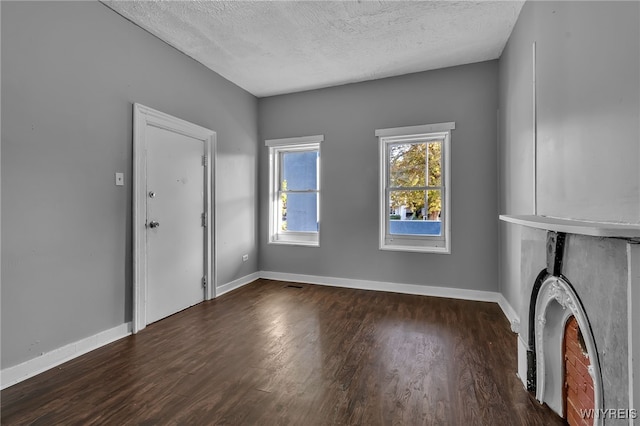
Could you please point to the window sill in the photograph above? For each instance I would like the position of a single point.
(295, 242)
(417, 249)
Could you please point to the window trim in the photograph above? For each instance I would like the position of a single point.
(276, 148)
(415, 243)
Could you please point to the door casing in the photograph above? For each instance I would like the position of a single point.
(142, 118)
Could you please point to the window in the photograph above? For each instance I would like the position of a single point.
(294, 195)
(415, 207)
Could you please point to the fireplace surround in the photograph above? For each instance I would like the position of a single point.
(556, 303)
(590, 271)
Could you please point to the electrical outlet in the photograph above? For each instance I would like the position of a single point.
(245, 257)
(119, 179)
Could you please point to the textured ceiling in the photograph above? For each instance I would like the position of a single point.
(276, 47)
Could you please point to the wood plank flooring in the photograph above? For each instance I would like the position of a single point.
(276, 353)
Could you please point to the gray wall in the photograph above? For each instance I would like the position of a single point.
(70, 73)
(348, 117)
(588, 103)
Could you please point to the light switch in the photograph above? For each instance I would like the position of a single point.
(119, 179)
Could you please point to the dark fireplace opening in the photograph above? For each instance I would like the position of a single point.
(578, 395)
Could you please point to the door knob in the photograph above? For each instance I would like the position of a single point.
(154, 224)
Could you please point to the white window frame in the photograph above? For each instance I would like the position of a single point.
(276, 148)
(416, 243)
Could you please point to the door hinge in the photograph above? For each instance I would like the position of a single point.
(204, 282)
(204, 219)
(205, 161)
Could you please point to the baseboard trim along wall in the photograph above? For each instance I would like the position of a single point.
(484, 296)
(421, 290)
(12, 375)
(242, 281)
(509, 312)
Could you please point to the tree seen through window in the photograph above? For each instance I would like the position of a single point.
(414, 170)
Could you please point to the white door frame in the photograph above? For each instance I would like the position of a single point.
(142, 117)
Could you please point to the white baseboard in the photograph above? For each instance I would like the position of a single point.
(422, 290)
(509, 312)
(242, 281)
(522, 361)
(12, 375)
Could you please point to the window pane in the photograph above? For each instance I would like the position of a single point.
(434, 204)
(415, 212)
(407, 164)
(435, 163)
(407, 205)
(299, 212)
(299, 171)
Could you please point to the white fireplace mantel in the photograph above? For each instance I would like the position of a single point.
(580, 227)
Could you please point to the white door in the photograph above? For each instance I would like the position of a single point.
(173, 221)
(175, 232)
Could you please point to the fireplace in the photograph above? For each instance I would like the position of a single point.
(587, 274)
(557, 305)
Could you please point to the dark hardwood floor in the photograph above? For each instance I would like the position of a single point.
(276, 353)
